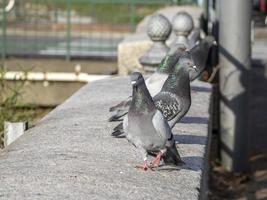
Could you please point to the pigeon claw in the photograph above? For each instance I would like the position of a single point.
(156, 161)
(144, 167)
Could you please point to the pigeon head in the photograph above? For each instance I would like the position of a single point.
(207, 42)
(136, 78)
(200, 53)
(169, 61)
(181, 73)
(185, 64)
(141, 99)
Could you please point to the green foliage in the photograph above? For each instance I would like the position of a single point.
(10, 110)
(121, 13)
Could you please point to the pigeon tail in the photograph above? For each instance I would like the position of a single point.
(117, 116)
(120, 110)
(118, 130)
(122, 105)
(117, 133)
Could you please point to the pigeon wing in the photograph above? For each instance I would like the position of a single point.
(161, 126)
(171, 156)
(168, 104)
(120, 110)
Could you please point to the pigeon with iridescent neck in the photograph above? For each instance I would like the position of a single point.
(145, 126)
(174, 99)
(154, 82)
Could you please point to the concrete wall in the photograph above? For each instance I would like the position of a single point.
(70, 154)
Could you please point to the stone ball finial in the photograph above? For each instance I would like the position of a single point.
(159, 28)
(182, 23)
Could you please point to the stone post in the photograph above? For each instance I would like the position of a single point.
(158, 29)
(182, 24)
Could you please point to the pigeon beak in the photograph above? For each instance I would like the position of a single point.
(215, 43)
(133, 82)
(195, 68)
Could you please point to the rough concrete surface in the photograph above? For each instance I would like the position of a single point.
(70, 154)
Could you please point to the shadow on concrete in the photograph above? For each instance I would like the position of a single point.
(200, 89)
(190, 139)
(193, 163)
(259, 106)
(194, 120)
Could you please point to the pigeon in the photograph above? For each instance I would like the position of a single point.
(174, 99)
(154, 82)
(146, 128)
(200, 53)
(193, 37)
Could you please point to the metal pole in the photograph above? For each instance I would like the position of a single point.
(4, 26)
(205, 16)
(68, 48)
(235, 58)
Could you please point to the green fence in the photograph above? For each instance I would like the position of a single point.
(71, 28)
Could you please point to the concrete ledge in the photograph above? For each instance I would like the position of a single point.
(70, 154)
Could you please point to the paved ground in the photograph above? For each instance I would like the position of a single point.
(71, 155)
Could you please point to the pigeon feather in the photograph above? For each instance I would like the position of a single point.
(154, 82)
(145, 126)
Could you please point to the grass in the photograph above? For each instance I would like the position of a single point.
(110, 12)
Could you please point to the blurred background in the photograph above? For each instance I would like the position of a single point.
(51, 48)
(62, 37)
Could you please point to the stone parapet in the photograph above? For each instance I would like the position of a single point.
(70, 154)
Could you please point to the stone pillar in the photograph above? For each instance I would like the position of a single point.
(235, 58)
(182, 24)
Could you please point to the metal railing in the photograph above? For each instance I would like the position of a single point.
(71, 28)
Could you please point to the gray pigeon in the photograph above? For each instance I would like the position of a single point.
(200, 53)
(193, 37)
(146, 127)
(174, 99)
(154, 82)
